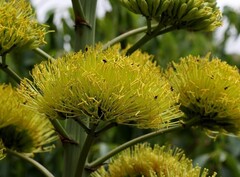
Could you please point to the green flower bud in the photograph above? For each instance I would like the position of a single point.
(209, 93)
(194, 15)
(18, 27)
(21, 129)
(144, 161)
(103, 86)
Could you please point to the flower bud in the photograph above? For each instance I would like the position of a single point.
(194, 15)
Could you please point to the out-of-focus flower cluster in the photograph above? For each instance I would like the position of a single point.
(18, 26)
(21, 129)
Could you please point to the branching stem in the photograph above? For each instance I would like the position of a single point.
(64, 136)
(81, 123)
(85, 150)
(43, 54)
(9, 71)
(126, 35)
(102, 159)
(147, 37)
(107, 127)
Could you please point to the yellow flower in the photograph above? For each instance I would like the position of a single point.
(21, 129)
(209, 92)
(18, 27)
(144, 161)
(104, 86)
(196, 15)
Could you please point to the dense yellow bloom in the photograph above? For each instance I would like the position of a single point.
(103, 85)
(196, 15)
(21, 129)
(18, 27)
(209, 92)
(144, 161)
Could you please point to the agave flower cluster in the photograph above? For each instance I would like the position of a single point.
(21, 129)
(195, 15)
(209, 92)
(144, 161)
(103, 85)
(18, 27)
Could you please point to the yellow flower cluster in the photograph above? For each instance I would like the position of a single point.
(196, 15)
(103, 85)
(21, 129)
(144, 161)
(18, 27)
(209, 92)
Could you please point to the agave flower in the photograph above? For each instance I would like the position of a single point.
(144, 161)
(103, 86)
(195, 15)
(21, 129)
(18, 27)
(209, 92)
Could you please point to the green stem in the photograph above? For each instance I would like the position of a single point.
(43, 54)
(11, 73)
(81, 123)
(4, 60)
(147, 37)
(149, 25)
(85, 25)
(40, 167)
(61, 131)
(72, 150)
(78, 10)
(107, 127)
(85, 150)
(126, 35)
(8, 71)
(102, 159)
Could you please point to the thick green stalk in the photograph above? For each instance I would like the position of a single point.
(85, 24)
(84, 11)
(78, 9)
(84, 153)
(72, 150)
(41, 168)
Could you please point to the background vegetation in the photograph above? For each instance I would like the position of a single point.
(221, 154)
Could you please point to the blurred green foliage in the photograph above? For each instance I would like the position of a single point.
(221, 154)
